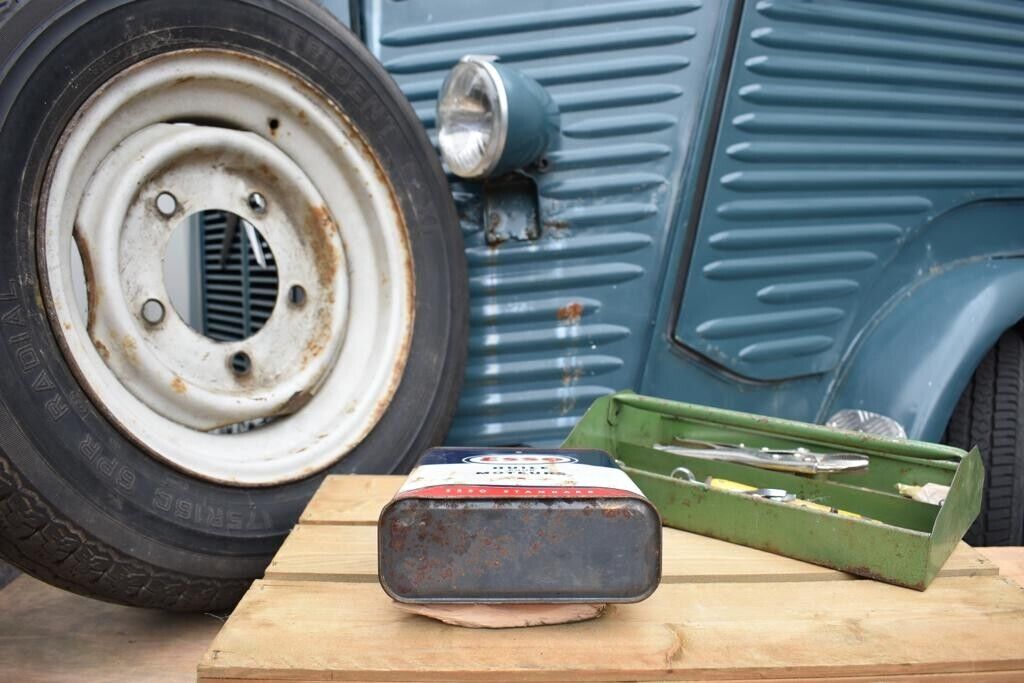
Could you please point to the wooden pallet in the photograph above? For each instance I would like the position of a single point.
(723, 612)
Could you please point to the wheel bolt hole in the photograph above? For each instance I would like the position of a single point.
(153, 311)
(166, 204)
(241, 364)
(257, 202)
(296, 296)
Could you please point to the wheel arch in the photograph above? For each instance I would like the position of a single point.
(916, 357)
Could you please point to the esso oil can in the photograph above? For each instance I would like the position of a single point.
(507, 525)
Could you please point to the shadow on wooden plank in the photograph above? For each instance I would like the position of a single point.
(47, 634)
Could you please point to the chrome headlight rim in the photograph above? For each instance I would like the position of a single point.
(498, 140)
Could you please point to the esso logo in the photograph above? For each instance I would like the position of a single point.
(519, 459)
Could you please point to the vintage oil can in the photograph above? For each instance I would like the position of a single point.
(504, 525)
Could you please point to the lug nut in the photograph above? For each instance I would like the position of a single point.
(153, 311)
(257, 202)
(166, 204)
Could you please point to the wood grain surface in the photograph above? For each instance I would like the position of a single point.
(287, 630)
(723, 612)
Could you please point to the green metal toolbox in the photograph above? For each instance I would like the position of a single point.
(888, 537)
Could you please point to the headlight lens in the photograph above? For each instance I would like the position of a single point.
(472, 118)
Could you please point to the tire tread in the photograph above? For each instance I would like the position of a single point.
(35, 538)
(988, 415)
(7, 9)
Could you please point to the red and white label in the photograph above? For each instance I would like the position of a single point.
(530, 475)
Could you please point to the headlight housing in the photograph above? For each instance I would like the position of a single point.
(492, 118)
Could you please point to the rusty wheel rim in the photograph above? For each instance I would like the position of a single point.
(213, 129)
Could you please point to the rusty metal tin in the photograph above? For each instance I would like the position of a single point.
(506, 525)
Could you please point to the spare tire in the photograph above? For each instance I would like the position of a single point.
(147, 462)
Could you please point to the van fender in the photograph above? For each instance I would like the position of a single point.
(917, 355)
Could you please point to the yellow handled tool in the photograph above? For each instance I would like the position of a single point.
(778, 495)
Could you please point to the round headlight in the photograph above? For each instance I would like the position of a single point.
(472, 118)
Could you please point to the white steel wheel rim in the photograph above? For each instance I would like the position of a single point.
(326, 371)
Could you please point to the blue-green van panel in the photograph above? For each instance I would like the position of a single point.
(916, 361)
(849, 127)
(922, 328)
(773, 257)
(340, 9)
(563, 319)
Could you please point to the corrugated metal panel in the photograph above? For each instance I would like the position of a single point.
(238, 294)
(848, 127)
(565, 319)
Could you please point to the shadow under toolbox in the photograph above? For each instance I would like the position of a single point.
(855, 521)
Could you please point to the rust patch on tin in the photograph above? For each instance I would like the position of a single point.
(614, 511)
(178, 385)
(436, 544)
(570, 313)
(101, 349)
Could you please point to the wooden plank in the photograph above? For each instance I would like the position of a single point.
(291, 630)
(1010, 561)
(48, 634)
(351, 499)
(318, 552)
(972, 676)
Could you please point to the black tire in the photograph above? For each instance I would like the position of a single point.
(81, 506)
(7, 8)
(989, 416)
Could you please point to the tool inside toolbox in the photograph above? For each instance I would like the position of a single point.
(884, 534)
(869, 491)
